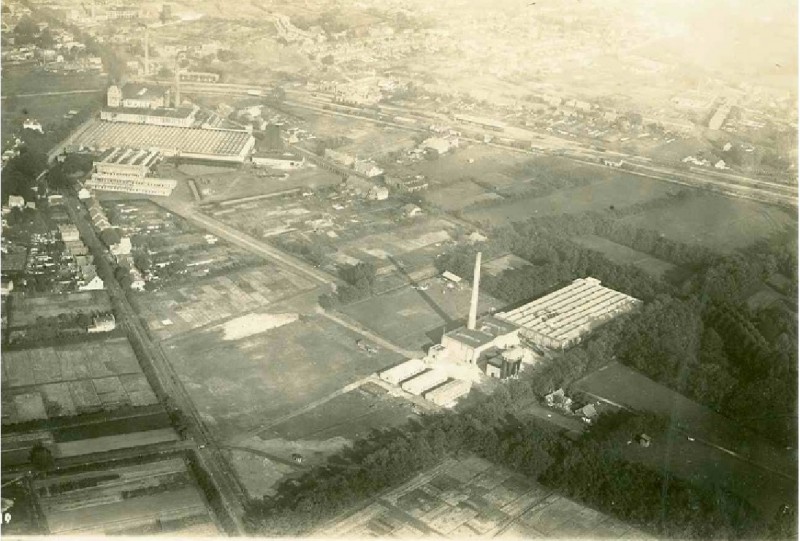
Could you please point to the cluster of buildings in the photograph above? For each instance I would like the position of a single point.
(129, 170)
(499, 344)
(78, 252)
(419, 378)
(366, 168)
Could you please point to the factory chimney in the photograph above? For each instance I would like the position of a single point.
(473, 305)
(146, 51)
(177, 83)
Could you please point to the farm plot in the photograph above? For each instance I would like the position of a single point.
(26, 308)
(623, 255)
(720, 448)
(271, 372)
(460, 195)
(720, 223)
(149, 497)
(417, 317)
(470, 497)
(620, 191)
(173, 311)
(68, 380)
(420, 237)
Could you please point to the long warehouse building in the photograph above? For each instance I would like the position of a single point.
(449, 393)
(396, 374)
(563, 318)
(191, 143)
(424, 381)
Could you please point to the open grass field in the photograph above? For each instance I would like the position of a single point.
(49, 110)
(762, 473)
(24, 80)
(172, 311)
(623, 255)
(417, 317)
(316, 435)
(489, 165)
(471, 497)
(61, 381)
(240, 383)
(721, 223)
(620, 191)
(232, 183)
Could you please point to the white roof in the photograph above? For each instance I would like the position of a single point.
(570, 312)
(450, 276)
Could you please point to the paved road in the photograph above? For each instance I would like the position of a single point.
(59, 148)
(245, 241)
(344, 321)
(61, 93)
(167, 382)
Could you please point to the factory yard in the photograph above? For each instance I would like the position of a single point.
(152, 497)
(282, 363)
(46, 383)
(470, 497)
(417, 317)
(172, 311)
(722, 452)
(224, 184)
(720, 223)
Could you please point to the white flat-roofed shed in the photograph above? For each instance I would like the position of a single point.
(424, 381)
(403, 371)
(563, 318)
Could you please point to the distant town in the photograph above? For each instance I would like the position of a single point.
(369, 269)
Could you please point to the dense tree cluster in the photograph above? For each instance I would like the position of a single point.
(591, 470)
(20, 174)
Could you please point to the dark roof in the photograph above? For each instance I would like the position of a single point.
(473, 338)
(168, 112)
(485, 331)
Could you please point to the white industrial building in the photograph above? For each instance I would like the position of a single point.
(127, 170)
(182, 117)
(396, 374)
(447, 394)
(424, 381)
(563, 318)
(284, 161)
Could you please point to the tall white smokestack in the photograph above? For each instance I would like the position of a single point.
(473, 305)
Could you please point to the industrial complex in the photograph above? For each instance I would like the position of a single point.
(497, 344)
(128, 170)
(191, 143)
